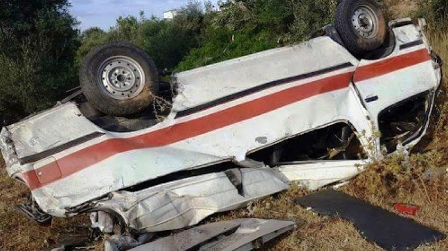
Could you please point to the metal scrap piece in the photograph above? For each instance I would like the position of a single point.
(33, 212)
(240, 234)
(103, 221)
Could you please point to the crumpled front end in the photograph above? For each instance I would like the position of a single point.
(8, 151)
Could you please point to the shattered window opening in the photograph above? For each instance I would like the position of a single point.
(335, 142)
(403, 121)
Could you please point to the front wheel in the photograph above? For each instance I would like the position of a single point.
(361, 25)
(119, 79)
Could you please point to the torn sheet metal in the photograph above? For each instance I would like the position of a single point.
(317, 174)
(186, 202)
(103, 221)
(388, 230)
(8, 150)
(238, 235)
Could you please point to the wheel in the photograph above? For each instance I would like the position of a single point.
(119, 79)
(361, 25)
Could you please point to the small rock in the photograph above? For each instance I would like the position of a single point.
(435, 173)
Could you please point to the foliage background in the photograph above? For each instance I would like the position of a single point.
(38, 47)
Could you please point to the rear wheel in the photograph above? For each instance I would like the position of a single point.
(361, 25)
(119, 79)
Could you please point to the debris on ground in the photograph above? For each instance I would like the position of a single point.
(435, 173)
(126, 242)
(386, 229)
(404, 208)
(239, 234)
(79, 238)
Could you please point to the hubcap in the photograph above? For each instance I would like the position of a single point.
(365, 22)
(121, 78)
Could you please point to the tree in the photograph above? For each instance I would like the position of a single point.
(246, 26)
(38, 42)
(90, 38)
(309, 16)
(241, 28)
(191, 16)
(167, 42)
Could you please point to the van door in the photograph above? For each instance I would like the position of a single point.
(390, 87)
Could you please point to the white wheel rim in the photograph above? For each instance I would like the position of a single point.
(365, 22)
(121, 78)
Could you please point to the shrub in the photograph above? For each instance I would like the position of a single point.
(248, 26)
(436, 11)
(38, 42)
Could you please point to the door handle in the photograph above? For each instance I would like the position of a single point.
(372, 99)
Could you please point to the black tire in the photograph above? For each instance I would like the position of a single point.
(119, 79)
(361, 25)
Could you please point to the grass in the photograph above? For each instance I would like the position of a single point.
(384, 183)
(18, 232)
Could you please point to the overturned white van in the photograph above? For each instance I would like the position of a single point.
(233, 132)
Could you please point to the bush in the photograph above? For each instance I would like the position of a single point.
(436, 11)
(439, 9)
(38, 44)
(225, 44)
(248, 26)
(89, 39)
(309, 16)
(20, 91)
(167, 42)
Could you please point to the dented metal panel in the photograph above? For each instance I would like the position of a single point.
(186, 202)
(8, 150)
(409, 63)
(231, 142)
(50, 129)
(192, 238)
(252, 234)
(221, 133)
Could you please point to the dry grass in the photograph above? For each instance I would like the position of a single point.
(19, 233)
(401, 8)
